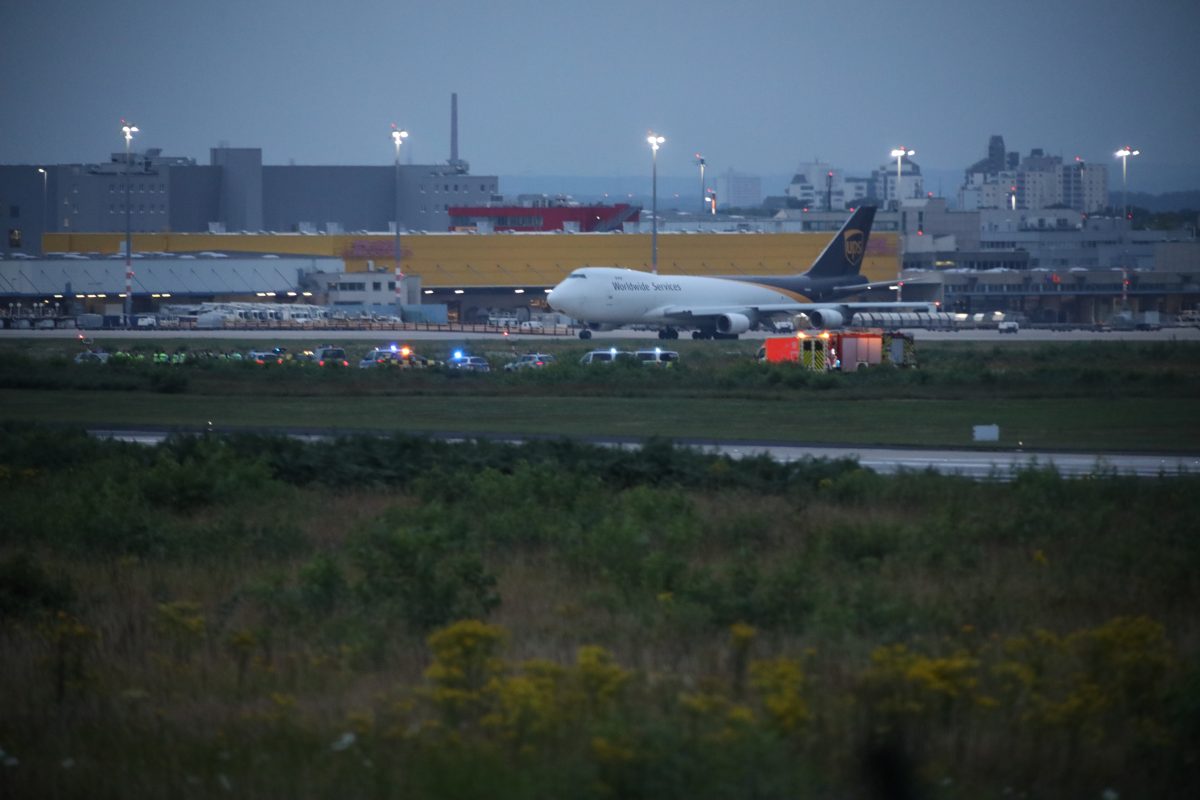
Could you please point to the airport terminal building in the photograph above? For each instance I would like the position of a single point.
(238, 230)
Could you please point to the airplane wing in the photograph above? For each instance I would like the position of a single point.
(863, 287)
(684, 314)
(882, 305)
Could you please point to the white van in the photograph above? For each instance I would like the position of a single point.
(657, 357)
(532, 326)
(606, 356)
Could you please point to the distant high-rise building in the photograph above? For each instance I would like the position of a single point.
(1036, 182)
(818, 186)
(735, 190)
(995, 162)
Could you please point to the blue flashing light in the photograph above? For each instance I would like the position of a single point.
(458, 353)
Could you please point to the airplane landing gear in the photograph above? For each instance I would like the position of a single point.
(668, 333)
(710, 333)
(585, 334)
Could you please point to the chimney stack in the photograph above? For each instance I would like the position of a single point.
(454, 127)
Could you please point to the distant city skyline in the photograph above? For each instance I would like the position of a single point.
(570, 90)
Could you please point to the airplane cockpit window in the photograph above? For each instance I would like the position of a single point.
(577, 275)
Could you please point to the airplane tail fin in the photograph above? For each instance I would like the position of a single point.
(844, 254)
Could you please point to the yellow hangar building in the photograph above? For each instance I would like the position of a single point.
(465, 272)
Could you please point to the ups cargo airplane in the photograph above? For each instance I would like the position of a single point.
(603, 298)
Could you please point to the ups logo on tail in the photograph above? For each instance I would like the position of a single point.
(854, 246)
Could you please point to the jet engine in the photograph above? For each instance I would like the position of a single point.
(733, 323)
(826, 318)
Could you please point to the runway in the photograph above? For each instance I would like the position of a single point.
(980, 464)
(1183, 334)
(975, 464)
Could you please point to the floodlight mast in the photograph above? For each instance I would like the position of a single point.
(1124, 153)
(655, 141)
(398, 137)
(899, 154)
(128, 131)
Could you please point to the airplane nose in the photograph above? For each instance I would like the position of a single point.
(550, 298)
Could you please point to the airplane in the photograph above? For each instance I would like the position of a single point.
(603, 298)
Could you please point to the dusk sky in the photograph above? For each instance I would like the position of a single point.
(571, 88)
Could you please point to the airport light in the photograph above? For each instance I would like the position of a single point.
(128, 131)
(899, 153)
(703, 189)
(1124, 153)
(655, 141)
(398, 137)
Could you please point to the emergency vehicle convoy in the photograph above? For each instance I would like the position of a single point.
(844, 351)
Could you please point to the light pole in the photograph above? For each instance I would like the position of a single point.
(655, 141)
(398, 136)
(1124, 153)
(899, 153)
(703, 192)
(42, 247)
(128, 130)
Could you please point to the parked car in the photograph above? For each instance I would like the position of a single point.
(330, 356)
(92, 357)
(532, 326)
(606, 356)
(379, 357)
(530, 361)
(657, 356)
(393, 356)
(462, 361)
(265, 357)
(1008, 326)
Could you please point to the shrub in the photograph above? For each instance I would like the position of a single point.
(424, 577)
(27, 589)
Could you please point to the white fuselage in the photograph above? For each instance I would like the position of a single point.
(615, 296)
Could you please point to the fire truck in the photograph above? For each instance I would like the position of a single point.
(844, 351)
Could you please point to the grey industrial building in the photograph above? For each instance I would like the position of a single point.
(234, 192)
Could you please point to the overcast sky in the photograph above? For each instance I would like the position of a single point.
(571, 88)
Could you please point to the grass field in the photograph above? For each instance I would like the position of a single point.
(1088, 396)
(392, 616)
(399, 617)
(1132, 424)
